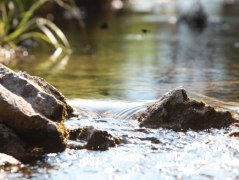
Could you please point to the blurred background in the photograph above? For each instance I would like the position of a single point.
(138, 49)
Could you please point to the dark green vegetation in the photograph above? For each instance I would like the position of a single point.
(19, 22)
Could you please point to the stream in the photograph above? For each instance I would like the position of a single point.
(115, 73)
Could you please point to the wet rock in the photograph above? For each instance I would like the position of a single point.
(74, 133)
(96, 139)
(176, 111)
(234, 134)
(101, 140)
(153, 140)
(41, 100)
(32, 127)
(49, 89)
(82, 133)
(34, 110)
(10, 143)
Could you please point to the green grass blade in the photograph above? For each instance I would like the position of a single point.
(40, 36)
(20, 5)
(13, 36)
(55, 29)
(31, 11)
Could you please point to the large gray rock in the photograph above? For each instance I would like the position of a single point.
(34, 110)
(37, 95)
(49, 89)
(176, 111)
(32, 127)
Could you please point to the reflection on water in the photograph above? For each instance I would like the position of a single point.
(124, 62)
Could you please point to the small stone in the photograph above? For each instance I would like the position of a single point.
(234, 134)
(96, 139)
(82, 133)
(153, 140)
(102, 140)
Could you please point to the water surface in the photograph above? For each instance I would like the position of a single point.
(117, 72)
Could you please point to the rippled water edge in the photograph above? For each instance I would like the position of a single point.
(145, 154)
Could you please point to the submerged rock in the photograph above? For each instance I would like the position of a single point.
(34, 110)
(96, 139)
(176, 111)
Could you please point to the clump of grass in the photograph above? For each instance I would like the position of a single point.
(18, 22)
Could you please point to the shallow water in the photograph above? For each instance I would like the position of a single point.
(145, 154)
(117, 72)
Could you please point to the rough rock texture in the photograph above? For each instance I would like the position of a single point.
(32, 127)
(83, 133)
(176, 111)
(10, 143)
(101, 140)
(41, 101)
(96, 139)
(49, 89)
(34, 110)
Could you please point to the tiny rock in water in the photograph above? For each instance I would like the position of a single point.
(96, 139)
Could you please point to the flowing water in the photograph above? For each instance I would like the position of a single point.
(117, 72)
